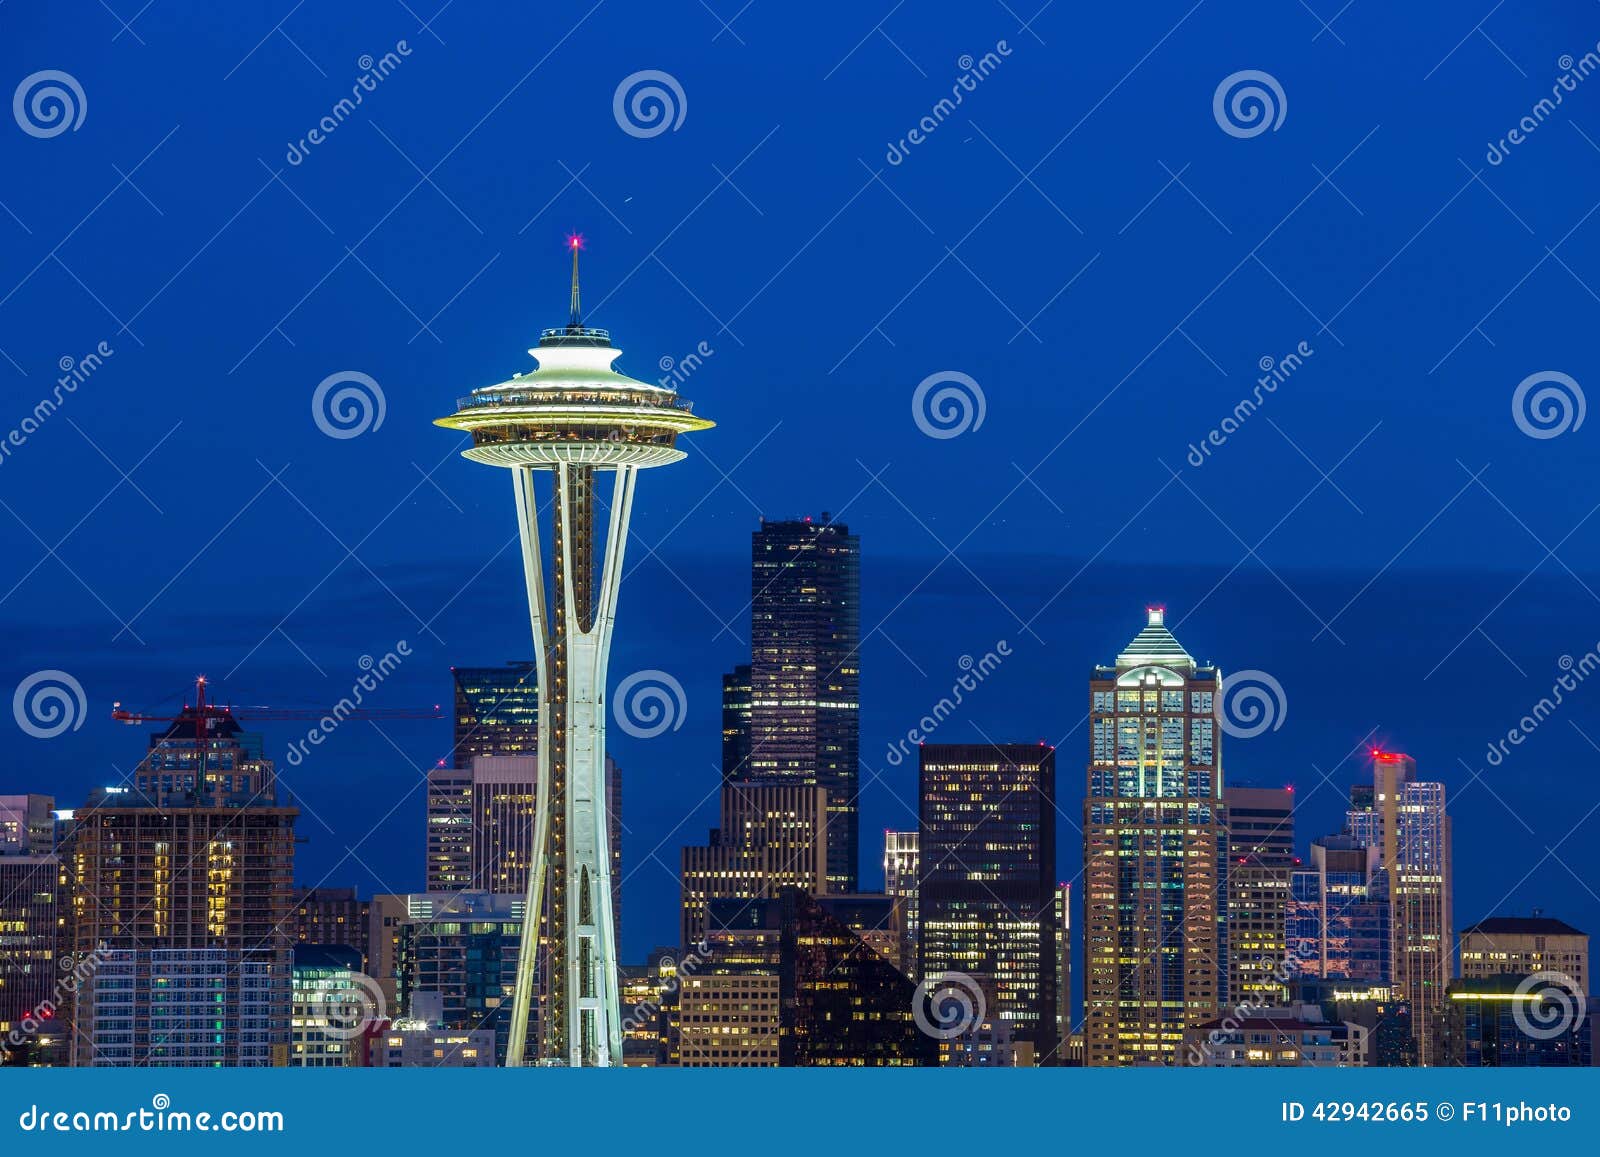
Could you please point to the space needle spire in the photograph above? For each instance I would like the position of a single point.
(573, 419)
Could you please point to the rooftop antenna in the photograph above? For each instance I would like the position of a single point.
(575, 243)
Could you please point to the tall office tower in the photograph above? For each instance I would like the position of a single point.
(1523, 946)
(769, 838)
(805, 673)
(900, 868)
(986, 893)
(576, 418)
(327, 1006)
(836, 1001)
(1063, 974)
(496, 711)
(36, 1009)
(1338, 916)
(1260, 863)
(27, 825)
(462, 948)
(330, 916)
(1408, 823)
(183, 887)
(736, 709)
(449, 829)
(389, 915)
(1155, 842)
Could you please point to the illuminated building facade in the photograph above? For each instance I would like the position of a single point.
(1410, 827)
(456, 961)
(986, 891)
(736, 709)
(183, 888)
(769, 838)
(1155, 842)
(1515, 1021)
(1260, 866)
(1338, 915)
(900, 868)
(1524, 945)
(325, 994)
(575, 418)
(837, 1002)
(27, 825)
(332, 916)
(1064, 1021)
(35, 1012)
(496, 711)
(805, 693)
(1269, 1039)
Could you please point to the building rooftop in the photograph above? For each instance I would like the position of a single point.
(1522, 926)
(1155, 645)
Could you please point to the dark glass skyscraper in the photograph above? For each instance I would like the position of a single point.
(805, 634)
(496, 711)
(986, 894)
(792, 715)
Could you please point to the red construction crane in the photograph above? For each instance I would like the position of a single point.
(203, 711)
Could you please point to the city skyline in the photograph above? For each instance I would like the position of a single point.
(1315, 385)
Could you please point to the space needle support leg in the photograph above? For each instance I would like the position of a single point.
(528, 956)
(610, 1030)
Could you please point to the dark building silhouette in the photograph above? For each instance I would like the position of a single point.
(986, 892)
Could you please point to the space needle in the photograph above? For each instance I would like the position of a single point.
(574, 417)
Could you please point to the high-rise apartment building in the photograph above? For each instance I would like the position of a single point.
(1409, 825)
(986, 891)
(805, 636)
(769, 838)
(183, 888)
(1260, 864)
(1155, 840)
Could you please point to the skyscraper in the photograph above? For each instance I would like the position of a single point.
(900, 870)
(736, 708)
(456, 959)
(35, 1008)
(1338, 916)
(1064, 1022)
(183, 889)
(576, 418)
(986, 893)
(1408, 823)
(1260, 863)
(496, 711)
(768, 839)
(805, 636)
(332, 916)
(1155, 836)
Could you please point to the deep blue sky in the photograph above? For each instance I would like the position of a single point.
(828, 294)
